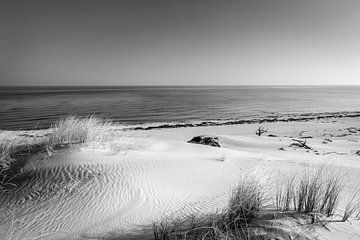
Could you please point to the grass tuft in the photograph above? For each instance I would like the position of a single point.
(285, 194)
(248, 198)
(75, 130)
(315, 191)
(245, 202)
(5, 155)
(352, 208)
(6, 160)
(65, 132)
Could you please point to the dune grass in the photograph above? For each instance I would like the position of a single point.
(285, 194)
(315, 192)
(246, 199)
(245, 202)
(5, 155)
(5, 161)
(75, 130)
(352, 208)
(65, 132)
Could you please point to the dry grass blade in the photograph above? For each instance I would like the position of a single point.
(6, 160)
(285, 193)
(352, 207)
(5, 155)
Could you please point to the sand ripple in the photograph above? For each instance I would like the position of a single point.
(97, 193)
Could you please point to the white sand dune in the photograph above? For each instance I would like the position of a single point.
(106, 190)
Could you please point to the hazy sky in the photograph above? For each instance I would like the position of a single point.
(84, 42)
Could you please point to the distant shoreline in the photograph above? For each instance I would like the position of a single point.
(284, 118)
(301, 117)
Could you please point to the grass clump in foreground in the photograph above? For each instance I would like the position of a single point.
(246, 202)
(315, 191)
(253, 205)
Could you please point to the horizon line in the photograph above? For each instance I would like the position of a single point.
(202, 85)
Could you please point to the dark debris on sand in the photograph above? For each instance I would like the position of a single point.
(206, 140)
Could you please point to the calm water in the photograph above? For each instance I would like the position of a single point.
(38, 107)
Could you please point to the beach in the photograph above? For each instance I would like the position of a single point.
(117, 188)
(179, 120)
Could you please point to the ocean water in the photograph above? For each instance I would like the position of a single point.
(39, 107)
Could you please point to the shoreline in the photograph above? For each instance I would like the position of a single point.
(301, 117)
(288, 117)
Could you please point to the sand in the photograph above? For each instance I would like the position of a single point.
(119, 188)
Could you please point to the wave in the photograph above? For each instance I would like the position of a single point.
(292, 117)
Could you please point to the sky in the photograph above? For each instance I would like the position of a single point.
(182, 42)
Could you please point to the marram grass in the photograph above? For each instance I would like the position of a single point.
(65, 132)
(74, 130)
(314, 192)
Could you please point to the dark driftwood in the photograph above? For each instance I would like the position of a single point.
(300, 143)
(260, 131)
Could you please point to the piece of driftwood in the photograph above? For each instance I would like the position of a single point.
(300, 143)
(260, 131)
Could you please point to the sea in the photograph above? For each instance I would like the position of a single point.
(25, 108)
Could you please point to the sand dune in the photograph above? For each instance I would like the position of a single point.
(109, 189)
